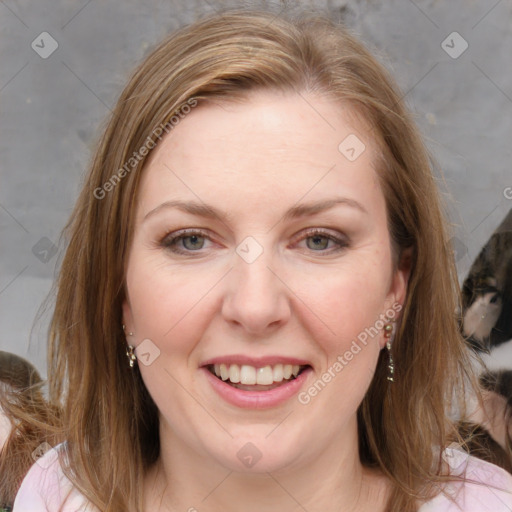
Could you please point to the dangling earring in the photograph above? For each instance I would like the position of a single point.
(130, 351)
(388, 334)
(131, 356)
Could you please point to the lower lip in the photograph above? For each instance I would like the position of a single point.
(257, 399)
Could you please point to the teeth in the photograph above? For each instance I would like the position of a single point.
(224, 372)
(249, 375)
(234, 373)
(265, 375)
(278, 373)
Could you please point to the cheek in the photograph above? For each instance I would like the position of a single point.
(345, 302)
(347, 328)
(164, 299)
(168, 308)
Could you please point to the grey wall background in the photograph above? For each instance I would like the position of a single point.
(53, 106)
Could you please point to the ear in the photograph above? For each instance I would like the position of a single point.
(128, 316)
(400, 280)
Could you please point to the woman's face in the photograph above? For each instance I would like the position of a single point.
(261, 248)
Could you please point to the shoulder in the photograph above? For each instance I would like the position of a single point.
(46, 488)
(487, 488)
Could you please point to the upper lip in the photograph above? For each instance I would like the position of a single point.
(257, 362)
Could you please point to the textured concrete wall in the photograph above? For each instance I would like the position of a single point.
(52, 105)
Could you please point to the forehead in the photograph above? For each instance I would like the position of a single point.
(270, 146)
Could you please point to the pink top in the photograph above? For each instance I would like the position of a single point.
(45, 488)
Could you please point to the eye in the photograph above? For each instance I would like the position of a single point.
(189, 241)
(494, 298)
(319, 240)
(195, 242)
(185, 241)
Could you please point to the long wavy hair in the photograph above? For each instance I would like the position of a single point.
(109, 420)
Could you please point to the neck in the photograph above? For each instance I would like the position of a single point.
(333, 480)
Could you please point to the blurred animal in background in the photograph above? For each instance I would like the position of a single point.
(486, 323)
(487, 292)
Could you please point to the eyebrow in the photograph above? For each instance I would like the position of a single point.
(300, 210)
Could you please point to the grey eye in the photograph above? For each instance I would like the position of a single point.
(319, 242)
(193, 242)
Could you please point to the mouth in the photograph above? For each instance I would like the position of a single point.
(252, 378)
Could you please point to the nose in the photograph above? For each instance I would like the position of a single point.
(256, 298)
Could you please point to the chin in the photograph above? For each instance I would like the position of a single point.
(257, 454)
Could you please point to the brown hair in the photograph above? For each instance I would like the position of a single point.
(31, 419)
(110, 422)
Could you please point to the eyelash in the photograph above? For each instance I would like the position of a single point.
(169, 242)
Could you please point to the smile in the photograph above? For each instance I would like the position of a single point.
(256, 378)
(263, 385)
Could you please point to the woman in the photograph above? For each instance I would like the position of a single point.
(255, 310)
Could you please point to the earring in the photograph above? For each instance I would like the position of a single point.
(130, 354)
(130, 351)
(130, 333)
(388, 334)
